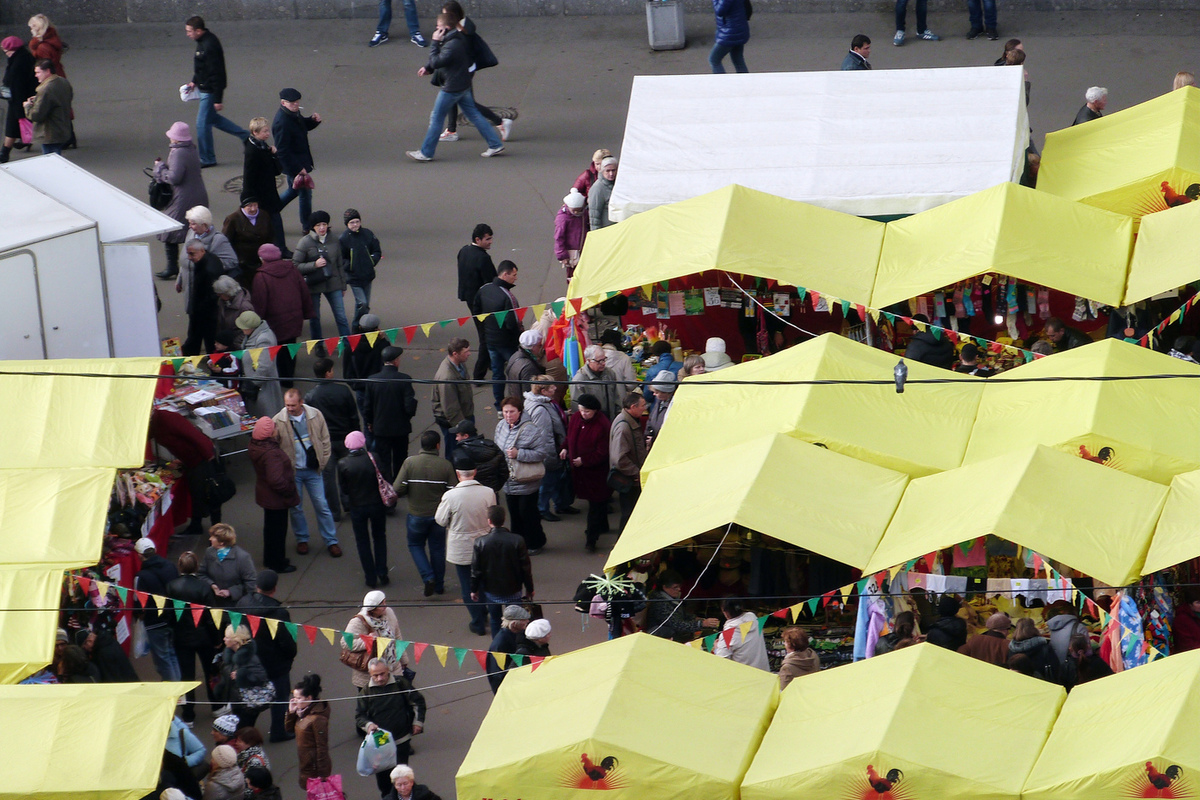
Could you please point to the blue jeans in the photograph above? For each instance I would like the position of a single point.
(162, 651)
(984, 17)
(500, 357)
(495, 607)
(410, 17)
(311, 480)
(424, 531)
(902, 12)
(339, 314)
(208, 118)
(52, 148)
(362, 300)
(465, 101)
(478, 611)
(556, 486)
(305, 195)
(734, 51)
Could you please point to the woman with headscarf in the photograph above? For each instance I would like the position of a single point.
(19, 84)
(375, 619)
(274, 492)
(359, 482)
(182, 171)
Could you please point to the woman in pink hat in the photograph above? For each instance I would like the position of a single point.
(182, 171)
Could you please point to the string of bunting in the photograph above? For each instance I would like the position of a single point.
(294, 629)
(1176, 316)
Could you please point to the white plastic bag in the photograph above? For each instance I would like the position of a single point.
(376, 753)
(141, 641)
(187, 95)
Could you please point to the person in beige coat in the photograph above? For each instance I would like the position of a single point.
(304, 436)
(453, 400)
(463, 513)
(375, 619)
(801, 659)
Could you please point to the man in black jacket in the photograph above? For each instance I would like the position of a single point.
(499, 568)
(491, 467)
(388, 411)
(475, 268)
(501, 336)
(202, 269)
(290, 129)
(107, 656)
(340, 408)
(276, 650)
(208, 77)
(930, 349)
(451, 55)
(393, 704)
(152, 578)
(193, 638)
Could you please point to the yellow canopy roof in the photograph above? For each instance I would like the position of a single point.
(1090, 517)
(737, 230)
(1118, 162)
(1011, 230)
(627, 712)
(1167, 253)
(1109, 731)
(53, 516)
(1175, 539)
(1151, 427)
(930, 722)
(85, 741)
(921, 431)
(66, 421)
(26, 636)
(783, 487)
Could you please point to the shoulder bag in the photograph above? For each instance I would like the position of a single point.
(387, 493)
(525, 471)
(357, 659)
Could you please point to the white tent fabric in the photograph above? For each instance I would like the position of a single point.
(870, 143)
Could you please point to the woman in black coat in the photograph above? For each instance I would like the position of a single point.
(20, 84)
(246, 680)
(259, 170)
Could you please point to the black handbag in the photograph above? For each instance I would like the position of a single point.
(219, 488)
(160, 192)
(484, 57)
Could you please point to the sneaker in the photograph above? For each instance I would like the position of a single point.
(974, 33)
(930, 36)
(418, 40)
(378, 39)
(223, 710)
(493, 151)
(505, 129)
(417, 155)
(898, 39)
(448, 136)
(993, 35)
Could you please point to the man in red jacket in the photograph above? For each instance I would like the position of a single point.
(198, 456)
(281, 297)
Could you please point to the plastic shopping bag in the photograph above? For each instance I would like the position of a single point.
(188, 94)
(376, 753)
(141, 640)
(325, 788)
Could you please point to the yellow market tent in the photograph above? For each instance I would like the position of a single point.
(1175, 539)
(27, 635)
(84, 741)
(59, 514)
(1167, 253)
(922, 431)
(1129, 735)
(637, 716)
(1090, 517)
(1119, 162)
(777, 485)
(1151, 428)
(921, 722)
(1011, 230)
(737, 230)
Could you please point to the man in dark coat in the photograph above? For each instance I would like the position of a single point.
(201, 299)
(388, 411)
(475, 269)
(281, 297)
(208, 77)
(247, 230)
(107, 656)
(260, 167)
(1064, 337)
(338, 405)
(491, 467)
(276, 651)
(364, 361)
(500, 336)
(193, 639)
(393, 704)
(290, 129)
(929, 349)
(22, 85)
(500, 568)
(154, 576)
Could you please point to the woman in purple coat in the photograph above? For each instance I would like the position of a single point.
(182, 171)
(587, 449)
(570, 228)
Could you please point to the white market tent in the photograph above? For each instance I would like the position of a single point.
(80, 287)
(869, 143)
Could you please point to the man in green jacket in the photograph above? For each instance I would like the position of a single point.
(424, 478)
(453, 400)
(50, 109)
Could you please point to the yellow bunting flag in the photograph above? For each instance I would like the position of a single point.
(330, 634)
(697, 643)
(538, 310)
(215, 613)
(482, 317)
(874, 312)
(648, 290)
(427, 327)
(196, 360)
(745, 627)
(381, 643)
(845, 592)
(255, 355)
(311, 343)
(101, 588)
(501, 659)
(440, 650)
(371, 337)
(272, 625)
(796, 609)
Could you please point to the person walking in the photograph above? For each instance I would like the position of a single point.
(526, 446)
(360, 255)
(282, 298)
(359, 483)
(453, 398)
(982, 14)
(208, 78)
(482, 58)
(450, 56)
(462, 511)
(338, 405)
(194, 639)
(50, 109)
(390, 702)
(155, 575)
(276, 648)
(484, 455)
(500, 568)
(304, 438)
(307, 719)
(388, 411)
(423, 479)
(627, 453)
(475, 269)
(385, 23)
(502, 335)
(923, 31)
(290, 129)
(319, 259)
(182, 171)
(570, 230)
(44, 42)
(247, 230)
(20, 84)
(260, 167)
(587, 451)
(733, 31)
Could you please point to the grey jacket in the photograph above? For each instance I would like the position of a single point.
(217, 244)
(609, 394)
(454, 399)
(308, 250)
(236, 573)
(270, 394)
(533, 443)
(597, 203)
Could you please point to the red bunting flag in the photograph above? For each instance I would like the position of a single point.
(535, 662)
(311, 633)
(825, 598)
(727, 635)
(815, 297)
(253, 622)
(197, 613)
(409, 332)
(995, 347)
(418, 651)
(577, 304)
(463, 321)
(930, 560)
(142, 598)
(1037, 563)
(331, 344)
(84, 583)
(481, 657)
(781, 613)
(369, 641)
(354, 340)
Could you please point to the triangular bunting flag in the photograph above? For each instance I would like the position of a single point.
(348, 638)
(371, 337)
(727, 635)
(331, 635)
(177, 363)
(401, 646)
(577, 304)
(426, 327)
(255, 355)
(331, 344)
(235, 619)
(293, 349)
(482, 317)
(84, 583)
(812, 605)
(310, 631)
(369, 641)
(796, 609)
(215, 613)
(409, 332)
(696, 643)
(123, 593)
(142, 598)
(460, 653)
(501, 660)
(481, 657)
(744, 629)
(311, 343)
(253, 622)
(538, 310)
(381, 645)
(846, 592)
(179, 604)
(825, 598)
(274, 351)
(440, 650)
(354, 340)
(443, 323)
(419, 650)
(930, 560)
(518, 659)
(463, 321)
(780, 614)
(557, 306)
(535, 662)
(501, 316)
(272, 626)
(197, 613)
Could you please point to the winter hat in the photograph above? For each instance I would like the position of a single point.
(530, 338)
(172, 794)
(224, 756)
(269, 252)
(264, 427)
(226, 339)
(355, 440)
(466, 426)
(61, 635)
(538, 629)
(664, 382)
(267, 580)
(372, 601)
(607, 161)
(11, 43)
(351, 213)
(463, 463)
(179, 132)
(291, 95)
(228, 725)
(81, 636)
(574, 199)
(391, 353)
(948, 606)
(514, 613)
(589, 401)
(143, 544)
(998, 622)
(246, 199)
(247, 321)
(369, 322)
(714, 354)
(317, 216)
